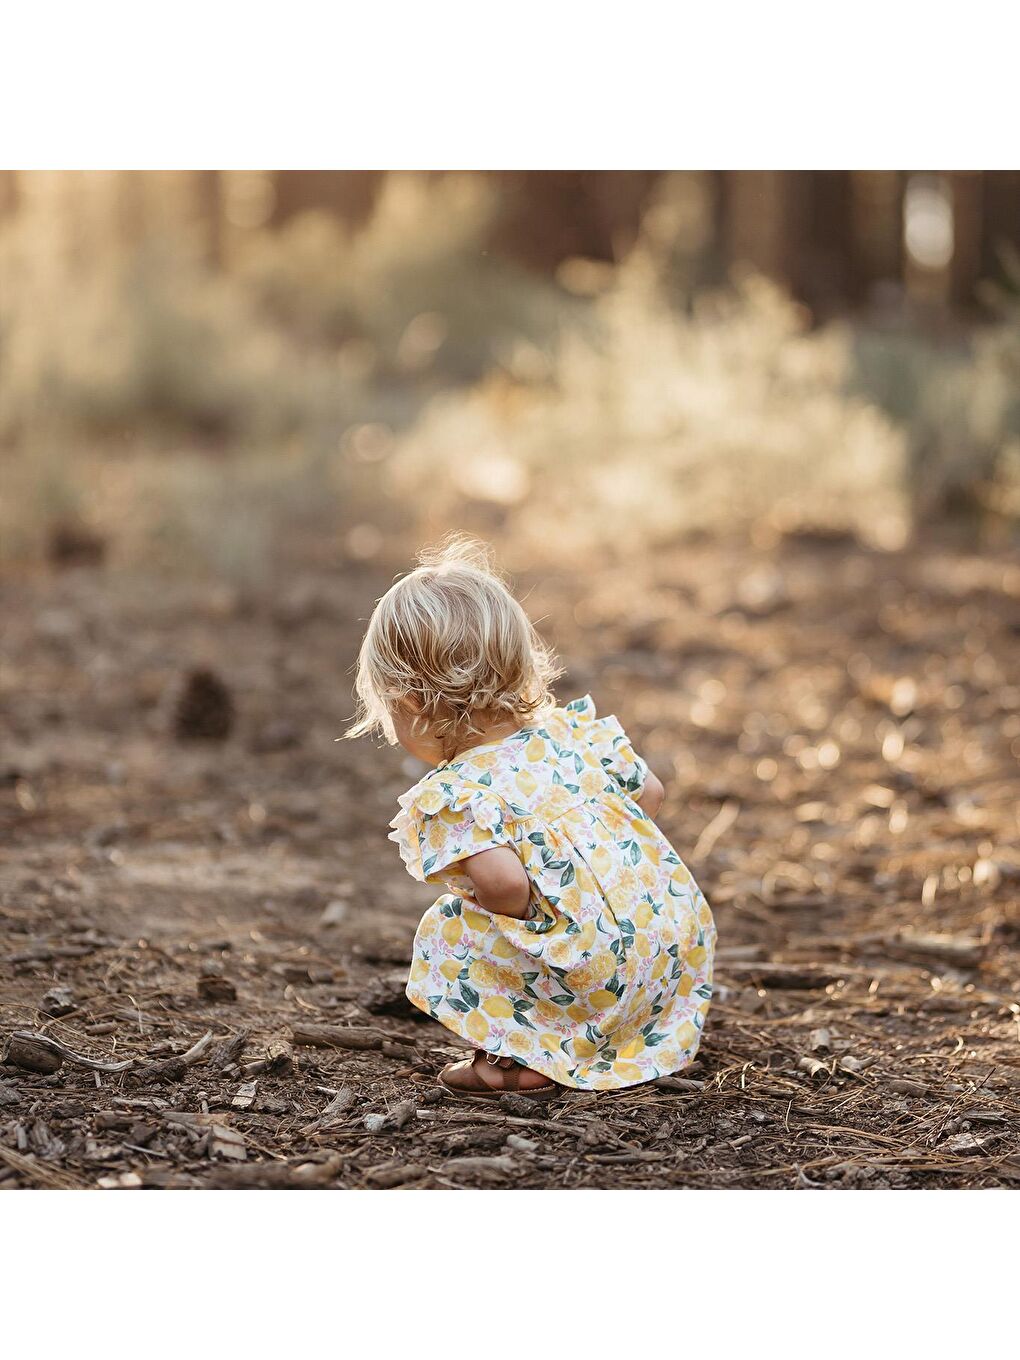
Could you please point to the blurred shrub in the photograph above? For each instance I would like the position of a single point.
(663, 424)
(414, 292)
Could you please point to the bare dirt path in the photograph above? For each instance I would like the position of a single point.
(840, 734)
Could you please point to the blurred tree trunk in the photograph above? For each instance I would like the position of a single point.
(821, 269)
(965, 266)
(8, 193)
(548, 216)
(1000, 219)
(763, 216)
(349, 195)
(129, 207)
(209, 196)
(876, 244)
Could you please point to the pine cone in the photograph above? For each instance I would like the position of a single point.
(205, 710)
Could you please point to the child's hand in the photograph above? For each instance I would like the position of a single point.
(500, 883)
(651, 795)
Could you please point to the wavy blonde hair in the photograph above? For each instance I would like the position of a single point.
(450, 636)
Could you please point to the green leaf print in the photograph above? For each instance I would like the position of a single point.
(563, 999)
(704, 991)
(485, 778)
(470, 995)
(523, 1020)
(536, 838)
(428, 864)
(635, 852)
(458, 1005)
(529, 977)
(567, 876)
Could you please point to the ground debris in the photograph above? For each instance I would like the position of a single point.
(481, 1168)
(283, 1175)
(862, 873)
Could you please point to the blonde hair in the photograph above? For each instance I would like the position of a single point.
(450, 636)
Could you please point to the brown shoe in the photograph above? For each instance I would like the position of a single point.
(471, 1077)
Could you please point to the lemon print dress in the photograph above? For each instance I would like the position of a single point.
(608, 983)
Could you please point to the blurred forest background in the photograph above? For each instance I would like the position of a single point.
(215, 368)
(749, 443)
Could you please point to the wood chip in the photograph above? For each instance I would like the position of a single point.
(245, 1097)
(354, 1037)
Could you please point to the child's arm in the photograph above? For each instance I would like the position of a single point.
(500, 883)
(652, 794)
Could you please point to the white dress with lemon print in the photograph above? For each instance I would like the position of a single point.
(609, 981)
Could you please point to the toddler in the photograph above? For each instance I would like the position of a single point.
(570, 946)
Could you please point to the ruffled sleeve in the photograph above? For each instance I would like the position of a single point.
(610, 743)
(442, 821)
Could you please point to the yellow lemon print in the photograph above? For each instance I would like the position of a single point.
(601, 1000)
(549, 1042)
(627, 1071)
(697, 956)
(686, 1035)
(483, 973)
(583, 1048)
(509, 979)
(535, 749)
(578, 1013)
(604, 966)
(545, 1010)
(632, 1049)
(477, 920)
(477, 1026)
(601, 861)
(526, 783)
(453, 929)
(419, 969)
(498, 1006)
(450, 969)
(520, 1043)
(642, 946)
(643, 915)
(587, 936)
(659, 966)
(502, 948)
(683, 987)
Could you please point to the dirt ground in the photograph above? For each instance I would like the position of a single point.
(839, 732)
